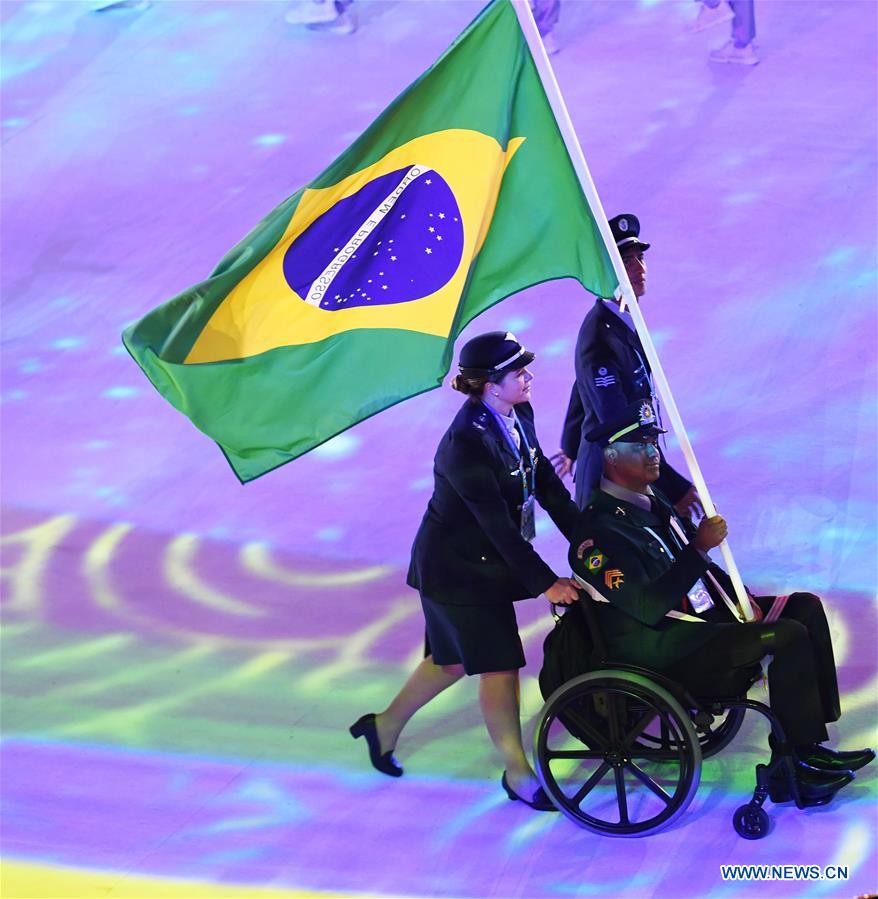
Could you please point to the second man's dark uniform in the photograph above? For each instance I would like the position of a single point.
(611, 373)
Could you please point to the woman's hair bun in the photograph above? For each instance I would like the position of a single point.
(470, 386)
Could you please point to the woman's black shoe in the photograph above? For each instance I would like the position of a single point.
(815, 787)
(386, 763)
(539, 801)
(825, 759)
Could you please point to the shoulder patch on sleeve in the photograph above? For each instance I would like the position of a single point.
(614, 578)
(604, 377)
(596, 561)
(583, 548)
(480, 422)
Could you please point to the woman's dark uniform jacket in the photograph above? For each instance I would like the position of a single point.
(469, 549)
(611, 372)
(613, 552)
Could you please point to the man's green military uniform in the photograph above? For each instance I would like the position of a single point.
(652, 587)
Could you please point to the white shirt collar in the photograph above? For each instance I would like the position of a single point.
(628, 496)
(508, 423)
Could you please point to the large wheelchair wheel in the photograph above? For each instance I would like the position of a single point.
(601, 756)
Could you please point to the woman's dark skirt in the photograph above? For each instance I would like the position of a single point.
(481, 638)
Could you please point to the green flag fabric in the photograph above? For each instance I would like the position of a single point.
(347, 298)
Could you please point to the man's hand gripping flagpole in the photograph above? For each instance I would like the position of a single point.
(562, 117)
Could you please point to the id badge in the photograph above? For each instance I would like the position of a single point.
(528, 527)
(700, 598)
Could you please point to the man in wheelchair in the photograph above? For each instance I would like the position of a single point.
(662, 604)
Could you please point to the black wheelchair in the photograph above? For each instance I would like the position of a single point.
(618, 748)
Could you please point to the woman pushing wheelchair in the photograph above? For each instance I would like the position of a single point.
(472, 558)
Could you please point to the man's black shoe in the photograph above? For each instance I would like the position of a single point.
(815, 787)
(825, 759)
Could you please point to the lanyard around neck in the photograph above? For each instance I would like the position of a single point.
(680, 534)
(517, 450)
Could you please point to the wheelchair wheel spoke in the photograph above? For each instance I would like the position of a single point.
(615, 716)
(648, 782)
(553, 754)
(645, 754)
(595, 738)
(666, 733)
(590, 784)
(670, 743)
(620, 795)
(646, 719)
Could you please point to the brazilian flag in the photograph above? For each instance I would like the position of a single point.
(347, 298)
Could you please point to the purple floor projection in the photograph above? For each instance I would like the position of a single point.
(182, 655)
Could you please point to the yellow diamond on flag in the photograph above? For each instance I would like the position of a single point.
(387, 247)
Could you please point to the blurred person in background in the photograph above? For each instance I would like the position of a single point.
(335, 16)
(546, 13)
(739, 49)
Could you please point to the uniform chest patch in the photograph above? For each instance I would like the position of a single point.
(583, 548)
(596, 561)
(614, 578)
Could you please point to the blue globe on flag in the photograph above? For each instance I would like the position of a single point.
(397, 239)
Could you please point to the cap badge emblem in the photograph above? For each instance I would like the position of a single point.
(623, 225)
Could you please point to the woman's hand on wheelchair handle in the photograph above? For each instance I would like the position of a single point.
(563, 592)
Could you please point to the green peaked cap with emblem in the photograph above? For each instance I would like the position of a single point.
(636, 421)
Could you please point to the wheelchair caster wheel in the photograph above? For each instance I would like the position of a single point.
(751, 822)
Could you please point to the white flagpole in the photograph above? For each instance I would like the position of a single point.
(571, 141)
